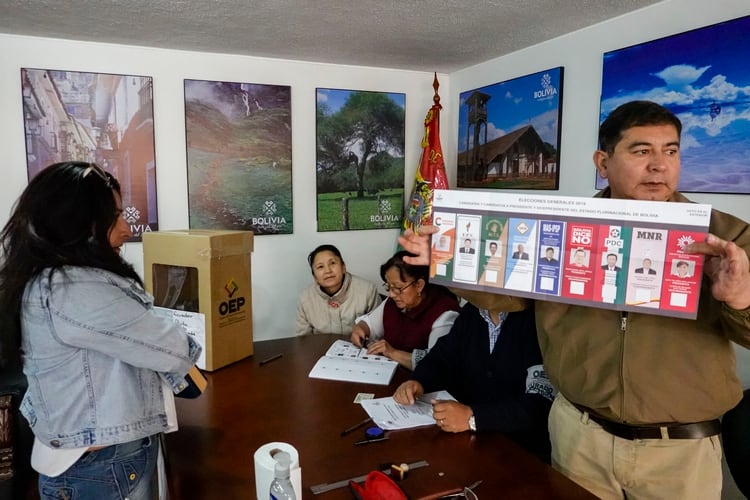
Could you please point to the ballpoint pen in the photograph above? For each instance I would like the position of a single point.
(368, 441)
(356, 426)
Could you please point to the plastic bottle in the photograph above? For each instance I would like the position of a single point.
(281, 486)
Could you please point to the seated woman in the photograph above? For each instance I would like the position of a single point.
(413, 317)
(337, 297)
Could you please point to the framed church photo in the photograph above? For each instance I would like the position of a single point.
(509, 133)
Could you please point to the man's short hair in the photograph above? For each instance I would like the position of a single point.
(633, 114)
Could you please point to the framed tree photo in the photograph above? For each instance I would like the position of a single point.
(359, 159)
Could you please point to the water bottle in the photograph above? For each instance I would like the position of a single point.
(281, 486)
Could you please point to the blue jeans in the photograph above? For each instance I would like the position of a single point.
(117, 472)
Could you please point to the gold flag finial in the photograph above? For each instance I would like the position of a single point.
(435, 85)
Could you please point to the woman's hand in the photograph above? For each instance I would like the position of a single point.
(408, 392)
(381, 347)
(360, 333)
(451, 416)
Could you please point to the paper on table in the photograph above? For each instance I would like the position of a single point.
(390, 415)
(345, 361)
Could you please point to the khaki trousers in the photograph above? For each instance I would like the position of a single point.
(616, 468)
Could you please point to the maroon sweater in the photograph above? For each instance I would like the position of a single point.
(410, 330)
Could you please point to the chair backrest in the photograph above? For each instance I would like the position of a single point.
(16, 439)
(735, 430)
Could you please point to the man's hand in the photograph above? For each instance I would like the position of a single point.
(418, 244)
(728, 268)
(451, 416)
(408, 392)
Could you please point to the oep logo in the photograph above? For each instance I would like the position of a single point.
(231, 305)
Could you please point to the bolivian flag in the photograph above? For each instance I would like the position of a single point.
(431, 171)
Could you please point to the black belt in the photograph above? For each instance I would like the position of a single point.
(696, 430)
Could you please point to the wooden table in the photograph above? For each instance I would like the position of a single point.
(247, 405)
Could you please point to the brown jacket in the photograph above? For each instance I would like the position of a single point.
(657, 369)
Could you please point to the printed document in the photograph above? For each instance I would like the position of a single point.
(347, 362)
(390, 415)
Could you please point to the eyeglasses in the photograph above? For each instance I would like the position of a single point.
(397, 290)
(99, 173)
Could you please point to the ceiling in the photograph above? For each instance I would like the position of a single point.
(421, 35)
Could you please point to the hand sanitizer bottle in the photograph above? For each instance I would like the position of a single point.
(281, 486)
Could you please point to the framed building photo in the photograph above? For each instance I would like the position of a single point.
(359, 159)
(103, 118)
(239, 156)
(704, 78)
(509, 133)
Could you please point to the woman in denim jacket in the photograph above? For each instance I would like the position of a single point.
(101, 365)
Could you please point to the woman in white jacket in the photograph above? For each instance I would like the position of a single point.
(336, 298)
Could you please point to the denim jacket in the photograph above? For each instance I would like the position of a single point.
(95, 355)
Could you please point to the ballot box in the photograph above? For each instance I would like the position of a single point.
(207, 272)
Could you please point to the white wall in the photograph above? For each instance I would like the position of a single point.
(580, 53)
(280, 268)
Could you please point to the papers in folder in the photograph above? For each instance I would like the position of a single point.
(389, 415)
(344, 361)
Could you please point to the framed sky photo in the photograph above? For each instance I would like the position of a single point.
(509, 133)
(702, 76)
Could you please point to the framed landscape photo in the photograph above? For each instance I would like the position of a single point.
(239, 156)
(359, 159)
(509, 133)
(104, 118)
(703, 76)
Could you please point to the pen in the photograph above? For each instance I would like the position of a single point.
(268, 360)
(356, 426)
(368, 441)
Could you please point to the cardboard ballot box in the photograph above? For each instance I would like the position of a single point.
(205, 271)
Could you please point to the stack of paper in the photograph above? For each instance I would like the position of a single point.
(344, 361)
(389, 415)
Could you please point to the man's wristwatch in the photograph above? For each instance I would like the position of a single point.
(472, 424)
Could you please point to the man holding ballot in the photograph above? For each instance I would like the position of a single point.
(640, 395)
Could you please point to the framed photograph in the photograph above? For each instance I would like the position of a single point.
(103, 118)
(509, 133)
(239, 156)
(704, 78)
(359, 159)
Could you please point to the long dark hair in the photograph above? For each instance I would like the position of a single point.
(62, 218)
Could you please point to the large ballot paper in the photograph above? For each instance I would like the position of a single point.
(625, 255)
